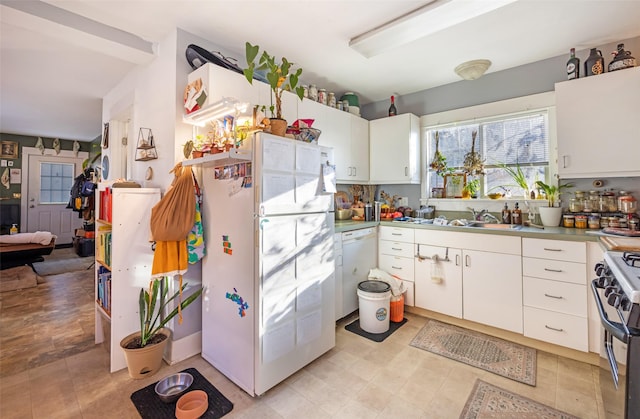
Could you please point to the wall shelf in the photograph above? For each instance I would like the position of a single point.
(235, 155)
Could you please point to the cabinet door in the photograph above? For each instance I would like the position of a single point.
(598, 127)
(359, 148)
(394, 149)
(438, 285)
(492, 291)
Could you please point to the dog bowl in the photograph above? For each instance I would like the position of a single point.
(192, 405)
(170, 388)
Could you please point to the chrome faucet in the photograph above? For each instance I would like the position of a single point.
(483, 215)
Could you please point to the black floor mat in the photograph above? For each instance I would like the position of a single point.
(376, 337)
(150, 406)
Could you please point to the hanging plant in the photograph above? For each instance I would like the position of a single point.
(473, 163)
(439, 162)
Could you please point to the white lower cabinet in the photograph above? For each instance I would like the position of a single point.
(438, 279)
(483, 281)
(555, 292)
(492, 289)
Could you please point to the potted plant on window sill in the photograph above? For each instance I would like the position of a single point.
(280, 77)
(144, 349)
(551, 215)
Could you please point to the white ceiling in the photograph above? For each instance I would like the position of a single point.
(55, 65)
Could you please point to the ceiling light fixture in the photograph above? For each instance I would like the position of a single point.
(433, 17)
(473, 69)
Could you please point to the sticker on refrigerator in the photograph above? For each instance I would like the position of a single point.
(226, 245)
(242, 305)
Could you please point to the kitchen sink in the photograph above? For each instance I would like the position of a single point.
(495, 226)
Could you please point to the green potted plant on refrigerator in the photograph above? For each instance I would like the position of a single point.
(144, 349)
(280, 76)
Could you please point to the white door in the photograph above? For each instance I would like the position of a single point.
(49, 185)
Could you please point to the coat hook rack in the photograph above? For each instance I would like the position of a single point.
(146, 147)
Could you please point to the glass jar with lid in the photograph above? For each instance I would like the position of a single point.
(581, 221)
(576, 204)
(610, 202)
(594, 221)
(620, 195)
(628, 204)
(594, 201)
(568, 220)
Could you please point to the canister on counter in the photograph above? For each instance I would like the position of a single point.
(628, 204)
(305, 91)
(581, 221)
(568, 220)
(576, 204)
(634, 224)
(594, 221)
(614, 222)
(604, 222)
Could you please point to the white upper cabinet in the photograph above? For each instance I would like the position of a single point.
(598, 125)
(347, 134)
(394, 149)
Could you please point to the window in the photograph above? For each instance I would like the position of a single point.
(56, 180)
(510, 140)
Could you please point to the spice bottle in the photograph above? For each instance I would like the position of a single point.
(13, 229)
(516, 215)
(506, 214)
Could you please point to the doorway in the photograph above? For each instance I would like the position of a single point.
(49, 181)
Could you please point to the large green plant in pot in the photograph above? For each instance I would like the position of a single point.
(144, 349)
(551, 215)
(281, 76)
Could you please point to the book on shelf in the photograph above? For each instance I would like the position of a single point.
(104, 289)
(105, 205)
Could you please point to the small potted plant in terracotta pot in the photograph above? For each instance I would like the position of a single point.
(144, 349)
(280, 77)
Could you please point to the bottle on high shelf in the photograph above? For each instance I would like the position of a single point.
(392, 109)
(573, 66)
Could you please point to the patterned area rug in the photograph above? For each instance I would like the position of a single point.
(495, 355)
(489, 401)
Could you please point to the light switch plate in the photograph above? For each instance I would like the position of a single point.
(403, 201)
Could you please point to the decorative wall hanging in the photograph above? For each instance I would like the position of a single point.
(105, 136)
(146, 147)
(9, 150)
(473, 163)
(76, 148)
(56, 145)
(40, 145)
(4, 179)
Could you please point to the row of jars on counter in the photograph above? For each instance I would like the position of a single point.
(596, 221)
(603, 202)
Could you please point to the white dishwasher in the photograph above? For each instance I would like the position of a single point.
(359, 256)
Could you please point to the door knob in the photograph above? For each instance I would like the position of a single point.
(32, 206)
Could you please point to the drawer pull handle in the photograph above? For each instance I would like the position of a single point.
(553, 296)
(396, 234)
(552, 250)
(395, 248)
(395, 267)
(552, 270)
(553, 328)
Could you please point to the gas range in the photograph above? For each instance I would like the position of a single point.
(625, 268)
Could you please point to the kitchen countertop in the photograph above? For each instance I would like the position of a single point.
(553, 233)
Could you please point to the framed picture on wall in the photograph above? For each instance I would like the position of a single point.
(9, 150)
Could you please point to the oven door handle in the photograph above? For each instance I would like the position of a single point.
(614, 328)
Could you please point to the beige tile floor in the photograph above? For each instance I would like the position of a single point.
(357, 379)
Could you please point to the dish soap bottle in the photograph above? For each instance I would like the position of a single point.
(13, 229)
(506, 214)
(516, 215)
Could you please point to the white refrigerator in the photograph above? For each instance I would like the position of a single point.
(268, 309)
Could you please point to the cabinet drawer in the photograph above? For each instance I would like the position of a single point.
(555, 296)
(558, 328)
(555, 249)
(396, 234)
(398, 266)
(396, 248)
(555, 269)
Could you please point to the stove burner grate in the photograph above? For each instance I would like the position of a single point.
(631, 259)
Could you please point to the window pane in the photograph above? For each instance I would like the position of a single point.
(54, 187)
(515, 141)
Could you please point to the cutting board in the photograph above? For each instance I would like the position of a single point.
(625, 244)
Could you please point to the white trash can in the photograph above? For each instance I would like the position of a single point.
(373, 299)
